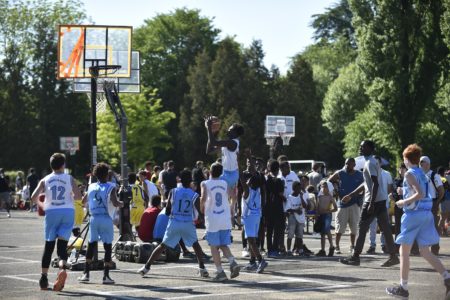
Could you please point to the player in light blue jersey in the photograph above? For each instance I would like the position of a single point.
(251, 213)
(417, 222)
(101, 226)
(181, 210)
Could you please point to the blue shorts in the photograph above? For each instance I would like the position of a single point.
(177, 230)
(326, 223)
(101, 229)
(251, 226)
(231, 177)
(419, 226)
(219, 238)
(58, 223)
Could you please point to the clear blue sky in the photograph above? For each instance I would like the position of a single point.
(282, 26)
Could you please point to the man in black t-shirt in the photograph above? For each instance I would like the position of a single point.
(274, 208)
(32, 182)
(5, 191)
(198, 176)
(169, 178)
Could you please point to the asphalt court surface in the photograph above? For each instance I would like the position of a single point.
(21, 246)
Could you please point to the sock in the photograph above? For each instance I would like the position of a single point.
(106, 272)
(43, 274)
(404, 284)
(231, 259)
(259, 258)
(87, 267)
(252, 260)
(445, 275)
(201, 265)
(219, 269)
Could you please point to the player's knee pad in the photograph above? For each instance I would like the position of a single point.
(108, 252)
(61, 249)
(47, 256)
(90, 251)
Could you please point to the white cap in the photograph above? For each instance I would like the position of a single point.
(425, 159)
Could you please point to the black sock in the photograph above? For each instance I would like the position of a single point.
(252, 260)
(106, 272)
(259, 257)
(87, 267)
(201, 265)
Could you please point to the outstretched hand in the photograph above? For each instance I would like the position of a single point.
(208, 121)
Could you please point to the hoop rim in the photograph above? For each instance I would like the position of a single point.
(95, 70)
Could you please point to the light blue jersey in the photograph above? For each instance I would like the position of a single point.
(423, 204)
(183, 204)
(252, 205)
(98, 198)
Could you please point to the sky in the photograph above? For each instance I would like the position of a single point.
(283, 26)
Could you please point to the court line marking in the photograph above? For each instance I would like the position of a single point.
(341, 286)
(18, 259)
(240, 284)
(20, 262)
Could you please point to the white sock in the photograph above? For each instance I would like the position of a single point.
(219, 269)
(231, 259)
(445, 275)
(404, 284)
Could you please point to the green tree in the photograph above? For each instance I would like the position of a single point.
(169, 44)
(401, 52)
(146, 130)
(344, 99)
(335, 23)
(35, 108)
(297, 97)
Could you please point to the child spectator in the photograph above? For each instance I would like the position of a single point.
(296, 208)
(326, 205)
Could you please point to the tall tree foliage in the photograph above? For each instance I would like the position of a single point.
(36, 108)
(169, 44)
(401, 51)
(146, 130)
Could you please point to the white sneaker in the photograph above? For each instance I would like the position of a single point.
(143, 271)
(83, 278)
(245, 253)
(9, 215)
(64, 264)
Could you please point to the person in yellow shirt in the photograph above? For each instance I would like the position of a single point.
(138, 202)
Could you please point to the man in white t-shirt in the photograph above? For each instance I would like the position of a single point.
(436, 190)
(148, 186)
(386, 187)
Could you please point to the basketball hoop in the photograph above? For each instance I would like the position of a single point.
(271, 140)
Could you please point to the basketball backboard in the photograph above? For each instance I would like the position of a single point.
(84, 46)
(123, 85)
(279, 126)
(67, 143)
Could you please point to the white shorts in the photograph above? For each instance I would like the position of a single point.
(295, 228)
(348, 215)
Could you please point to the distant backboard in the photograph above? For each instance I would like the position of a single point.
(84, 46)
(67, 143)
(123, 85)
(279, 125)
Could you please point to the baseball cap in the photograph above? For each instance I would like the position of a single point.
(425, 159)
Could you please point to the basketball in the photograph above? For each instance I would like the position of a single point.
(215, 126)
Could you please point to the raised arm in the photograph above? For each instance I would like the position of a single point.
(213, 143)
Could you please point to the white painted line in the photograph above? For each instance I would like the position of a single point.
(20, 262)
(17, 259)
(263, 292)
(20, 278)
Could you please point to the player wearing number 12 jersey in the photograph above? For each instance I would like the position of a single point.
(214, 204)
(181, 207)
(60, 190)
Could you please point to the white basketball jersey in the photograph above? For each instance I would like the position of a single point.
(58, 191)
(217, 208)
(229, 158)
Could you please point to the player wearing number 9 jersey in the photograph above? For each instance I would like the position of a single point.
(214, 204)
(60, 190)
(180, 209)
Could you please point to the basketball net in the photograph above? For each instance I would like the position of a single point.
(271, 140)
(101, 105)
